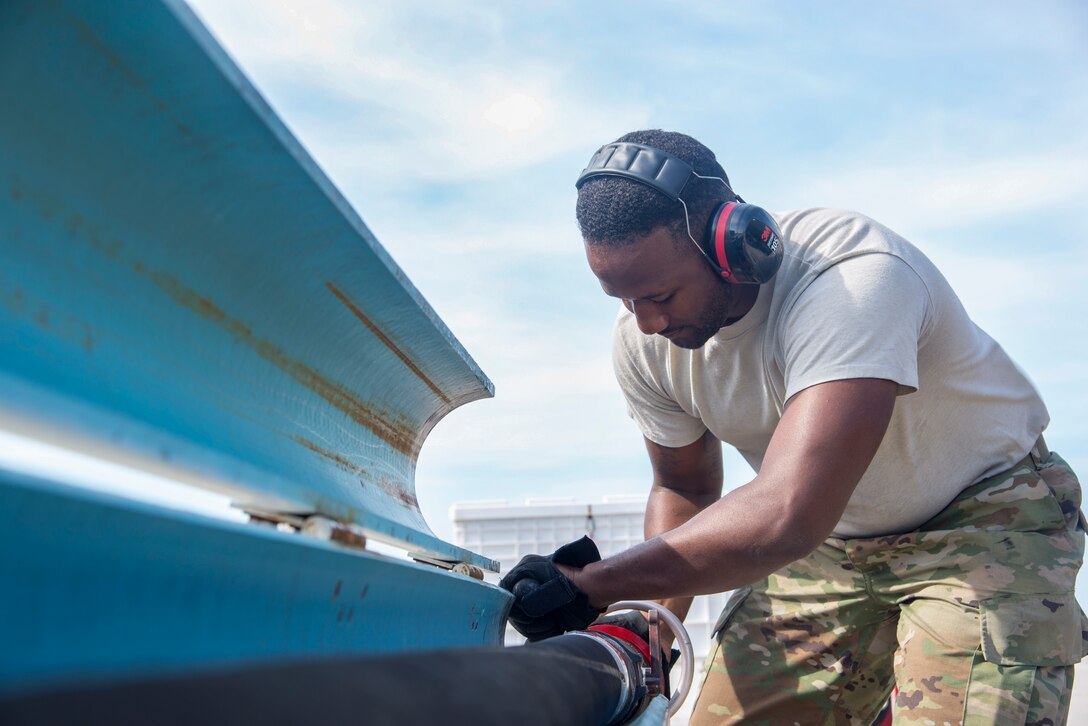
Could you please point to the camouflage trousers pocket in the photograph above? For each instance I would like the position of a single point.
(1067, 491)
(735, 601)
(1033, 630)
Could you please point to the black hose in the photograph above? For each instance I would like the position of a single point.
(565, 681)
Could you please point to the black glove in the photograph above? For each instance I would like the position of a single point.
(546, 602)
(635, 623)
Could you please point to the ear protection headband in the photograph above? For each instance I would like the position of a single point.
(741, 242)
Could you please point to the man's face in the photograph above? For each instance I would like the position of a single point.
(668, 286)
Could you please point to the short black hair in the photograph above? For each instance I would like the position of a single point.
(612, 210)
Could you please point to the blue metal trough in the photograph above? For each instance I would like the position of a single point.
(182, 289)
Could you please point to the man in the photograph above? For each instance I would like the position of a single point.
(906, 526)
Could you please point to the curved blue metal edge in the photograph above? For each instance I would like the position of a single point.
(237, 78)
(102, 588)
(105, 434)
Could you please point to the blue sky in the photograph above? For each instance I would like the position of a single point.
(457, 129)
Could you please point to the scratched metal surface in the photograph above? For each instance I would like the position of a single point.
(98, 587)
(180, 279)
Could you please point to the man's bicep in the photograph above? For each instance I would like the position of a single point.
(828, 436)
(695, 468)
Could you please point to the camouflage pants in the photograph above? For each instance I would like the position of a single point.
(971, 617)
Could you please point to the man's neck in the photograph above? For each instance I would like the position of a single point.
(743, 300)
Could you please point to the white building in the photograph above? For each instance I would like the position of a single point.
(507, 532)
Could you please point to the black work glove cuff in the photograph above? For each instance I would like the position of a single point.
(558, 590)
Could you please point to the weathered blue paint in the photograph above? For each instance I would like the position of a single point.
(656, 713)
(180, 279)
(100, 588)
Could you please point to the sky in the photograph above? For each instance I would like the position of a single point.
(456, 130)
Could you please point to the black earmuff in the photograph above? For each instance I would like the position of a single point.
(742, 241)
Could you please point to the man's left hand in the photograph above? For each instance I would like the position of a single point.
(547, 602)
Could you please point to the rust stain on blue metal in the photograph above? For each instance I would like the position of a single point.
(401, 435)
(391, 488)
(395, 490)
(387, 341)
(89, 36)
(335, 458)
(41, 314)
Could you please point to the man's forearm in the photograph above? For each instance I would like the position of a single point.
(732, 543)
(667, 509)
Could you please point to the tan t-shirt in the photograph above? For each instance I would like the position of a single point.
(851, 300)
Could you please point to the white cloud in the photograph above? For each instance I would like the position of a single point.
(439, 103)
(1014, 283)
(514, 113)
(927, 194)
